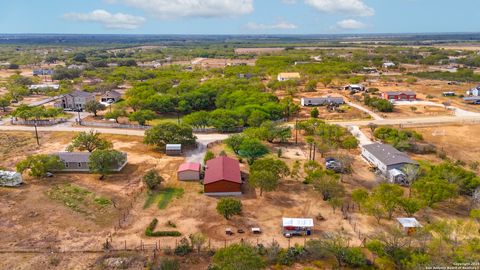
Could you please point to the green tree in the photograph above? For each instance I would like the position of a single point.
(350, 142)
(115, 114)
(412, 172)
(238, 257)
(337, 245)
(152, 179)
(142, 116)
(228, 207)
(295, 172)
(89, 141)
(251, 149)
(410, 206)
(4, 102)
(105, 162)
(433, 190)
(265, 174)
(359, 196)
(39, 165)
(314, 113)
(208, 156)
(234, 141)
(388, 196)
(326, 80)
(256, 118)
(94, 107)
(197, 119)
(169, 133)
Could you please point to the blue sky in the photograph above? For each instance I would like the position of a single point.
(238, 16)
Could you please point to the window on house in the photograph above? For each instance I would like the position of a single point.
(66, 164)
(79, 165)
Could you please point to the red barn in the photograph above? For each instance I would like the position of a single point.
(400, 95)
(222, 177)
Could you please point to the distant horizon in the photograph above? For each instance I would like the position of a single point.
(238, 17)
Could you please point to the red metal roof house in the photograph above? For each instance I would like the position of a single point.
(222, 177)
(400, 95)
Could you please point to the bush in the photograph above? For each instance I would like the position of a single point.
(152, 179)
(354, 257)
(169, 264)
(381, 105)
(229, 207)
(149, 231)
(183, 248)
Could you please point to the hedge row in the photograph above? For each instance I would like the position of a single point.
(149, 231)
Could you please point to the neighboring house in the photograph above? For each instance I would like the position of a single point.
(286, 76)
(110, 97)
(44, 86)
(388, 65)
(42, 72)
(245, 75)
(321, 101)
(369, 70)
(75, 100)
(388, 160)
(297, 226)
(473, 100)
(355, 87)
(189, 171)
(448, 94)
(409, 225)
(222, 177)
(474, 91)
(173, 149)
(73, 66)
(10, 179)
(78, 161)
(400, 95)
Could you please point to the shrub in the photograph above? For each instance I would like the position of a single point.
(152, 179)
(354, 257)
(149, 231)
(169, 264)
(183, 248)
(229, 207)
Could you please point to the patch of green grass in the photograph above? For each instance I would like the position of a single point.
(163, 197)
(163, 119)
(77, 198)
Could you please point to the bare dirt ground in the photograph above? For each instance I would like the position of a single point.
(459, 141)
(221, 63)
(419, 111)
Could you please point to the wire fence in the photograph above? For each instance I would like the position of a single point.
(42, 122)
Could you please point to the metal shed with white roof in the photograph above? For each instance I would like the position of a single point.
(297, 226)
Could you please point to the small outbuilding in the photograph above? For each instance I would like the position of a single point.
(409, 225)
(189, 171)
(297, 226)
(110, 97)
(355, 87)
(10, 179)
(173, 149)
(222, 177)
(286, 76)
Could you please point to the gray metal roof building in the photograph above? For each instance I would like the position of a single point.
(387, 154)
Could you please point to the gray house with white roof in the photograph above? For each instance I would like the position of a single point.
(78, 161)
(388, 160)
(322, 101)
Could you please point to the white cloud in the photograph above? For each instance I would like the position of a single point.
(350, 24)
(350, 7)
(168, 9)
(278, 26)
(109, 20)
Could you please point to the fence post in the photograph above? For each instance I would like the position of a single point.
(125, 244)
(225, 245)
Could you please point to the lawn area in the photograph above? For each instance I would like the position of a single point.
(163, 197)
(77, 198)
(163, 119)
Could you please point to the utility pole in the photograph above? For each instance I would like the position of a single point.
(79, 119)
(296, 131)
(36, 132)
